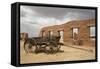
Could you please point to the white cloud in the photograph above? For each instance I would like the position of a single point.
(32, 21)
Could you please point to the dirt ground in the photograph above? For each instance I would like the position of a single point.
(69, 54)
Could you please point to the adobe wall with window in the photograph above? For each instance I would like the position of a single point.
(83, 33)
(85, 36)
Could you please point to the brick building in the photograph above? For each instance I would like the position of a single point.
(81, 32)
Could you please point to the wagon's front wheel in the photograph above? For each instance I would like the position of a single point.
(26, 48)
(33, 48)
(29, 48)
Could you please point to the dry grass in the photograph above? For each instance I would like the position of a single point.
(69, 54)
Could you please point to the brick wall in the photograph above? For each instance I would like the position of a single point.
(83, 31)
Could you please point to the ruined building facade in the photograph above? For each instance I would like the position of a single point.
(80, 32)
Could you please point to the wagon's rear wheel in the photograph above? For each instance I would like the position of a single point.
(54, 47)
(58, 47)
(36, 49)
(51, 48)
(47, 49)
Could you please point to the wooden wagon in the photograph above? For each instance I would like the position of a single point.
(42, 44)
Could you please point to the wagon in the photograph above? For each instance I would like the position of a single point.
(42, 44)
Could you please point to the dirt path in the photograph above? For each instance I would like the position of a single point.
(69, 54)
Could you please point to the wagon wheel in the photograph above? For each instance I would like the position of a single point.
(37, 49)
(51, 48)
(33, 48)
(40, 48)
(58, 47)
(29, 48)
(26, 47)
(54, 47)
(47, 49)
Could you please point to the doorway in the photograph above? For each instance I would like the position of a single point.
(61, 33)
